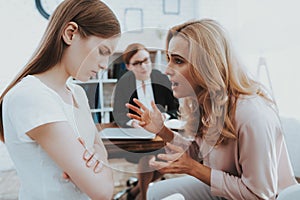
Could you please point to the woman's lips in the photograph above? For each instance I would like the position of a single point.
(175, 84)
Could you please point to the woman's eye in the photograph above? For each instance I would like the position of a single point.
(178, 61)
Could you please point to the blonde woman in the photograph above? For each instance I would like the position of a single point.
(238, 150)
(43, 116)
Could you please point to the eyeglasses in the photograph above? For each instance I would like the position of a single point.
(139, 63)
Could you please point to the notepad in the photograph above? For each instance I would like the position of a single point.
(126, 133)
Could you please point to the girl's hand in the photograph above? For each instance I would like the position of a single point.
(176, 163)
(150, 120)
(91, 158)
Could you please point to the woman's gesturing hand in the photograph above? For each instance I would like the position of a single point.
(178, 162)
(152, 121)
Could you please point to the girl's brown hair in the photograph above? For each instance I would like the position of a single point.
(93, 18)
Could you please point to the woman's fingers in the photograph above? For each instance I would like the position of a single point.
(154, 107)
(139, 104)
(158, 164)
(170, 170)
(174, 148)
(169, 157)
(134, 108)
(133, 116)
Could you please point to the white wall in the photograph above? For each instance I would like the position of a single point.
(21, 29)
(268, 28)
(154, 20)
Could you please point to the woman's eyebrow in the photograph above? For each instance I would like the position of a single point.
(177, 55)
(143, 60)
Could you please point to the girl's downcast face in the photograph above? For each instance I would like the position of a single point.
(86, 56)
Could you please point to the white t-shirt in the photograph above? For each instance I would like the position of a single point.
(26, 106)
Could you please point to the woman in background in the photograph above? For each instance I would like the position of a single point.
(237, 149)
(146, 84)
(43, 115)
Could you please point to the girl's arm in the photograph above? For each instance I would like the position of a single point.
(59, 141)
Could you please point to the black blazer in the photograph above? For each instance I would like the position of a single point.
(125, 91)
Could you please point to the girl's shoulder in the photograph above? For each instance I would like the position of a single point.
(30, 90)
(28, 86)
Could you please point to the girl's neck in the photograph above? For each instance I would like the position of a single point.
(55, 78)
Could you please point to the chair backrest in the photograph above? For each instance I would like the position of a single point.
(290, 193)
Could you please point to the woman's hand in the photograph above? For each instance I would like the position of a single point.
(177, 162)
(152, 121)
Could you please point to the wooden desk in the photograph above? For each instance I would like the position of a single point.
(132, 149)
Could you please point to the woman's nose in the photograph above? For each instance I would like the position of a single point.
(169, 71)
(144, 65)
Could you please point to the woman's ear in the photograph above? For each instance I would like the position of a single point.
(69, 32)
(128, 67)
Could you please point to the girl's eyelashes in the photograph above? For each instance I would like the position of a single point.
(103, 52)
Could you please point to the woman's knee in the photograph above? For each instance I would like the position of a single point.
(159, 190)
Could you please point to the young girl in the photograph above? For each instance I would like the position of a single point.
(43, 115)
(238, 150)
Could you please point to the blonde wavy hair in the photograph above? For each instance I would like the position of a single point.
(220, 79)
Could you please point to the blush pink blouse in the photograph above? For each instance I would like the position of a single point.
(254, 166)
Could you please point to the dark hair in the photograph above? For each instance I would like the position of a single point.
(131, 50)
(93, 17)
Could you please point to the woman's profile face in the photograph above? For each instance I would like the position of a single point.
(178, 67)
(87, 56)
(140, 64)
